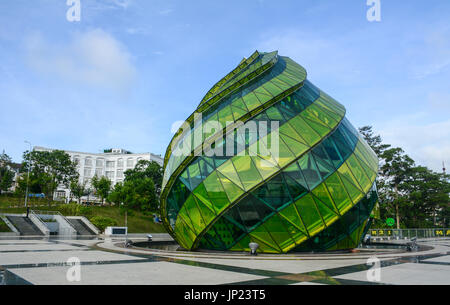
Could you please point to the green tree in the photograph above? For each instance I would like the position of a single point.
(138, 194)
(49, 169)
(146, 169)
(78, 189)
(102, 187)
(6, 174)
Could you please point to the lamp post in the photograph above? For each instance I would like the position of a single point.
(28, 179)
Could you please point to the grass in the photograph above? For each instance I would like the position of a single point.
(137, 221)
(3, 227)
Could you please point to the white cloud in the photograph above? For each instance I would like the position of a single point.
(165, 12)
(95, 58)
(428, 144)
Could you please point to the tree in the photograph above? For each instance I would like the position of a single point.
(146, 169)
(374, 141)
(6, 174)
(137, 194)
(78, 189)
(102, 187)
(49, 169)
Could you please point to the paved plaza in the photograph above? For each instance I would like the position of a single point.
(45, 261)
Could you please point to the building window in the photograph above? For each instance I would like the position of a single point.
(119, 174)
(110, 164)
(88, 162)
(130, 163)
(60, 194)
(99, 172)
(87, 172)
(110, 175)
(99, 163)
(120, 163)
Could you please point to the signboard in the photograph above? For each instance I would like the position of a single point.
(381, 232)
(390, 222)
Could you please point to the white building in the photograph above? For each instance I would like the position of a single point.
(112, 164)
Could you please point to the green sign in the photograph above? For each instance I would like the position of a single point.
(390, 222)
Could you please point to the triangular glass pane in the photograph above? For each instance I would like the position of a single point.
(339, 193)
(184, 177)
(359, 173)
(247, 171)
(287, 129)
(319, 128)
(265, 168)
(291, 215)
(232, 190)
(277, 194)
(295, 173)
(201, 194)
(239, 103)
(261, 233)
(328, 215)
(344, 170)
(325, 169)
(296, 190)
(306, 132)
(228, 170)
(206, 212)
(355, 194)
(193, 212)
(296, 235)
(309, 214)
(279, 233)
(296, 147)
(309, 171)
(322, 194)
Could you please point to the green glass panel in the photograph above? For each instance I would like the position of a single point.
(287, 129)
(338, 192)
(261, 234)
(206, 213)
(322, 115)
(227, 169)
(242, 245)
(265, 168)
(274, 114)
(225, 115)
(335, 116)
(295, 147)
(261, 91)
(369, 172)
(247, 171)
(201, 193)
(194, 215)
(324, 196)
(291, 215)
(232, 190)
(323, 165)
(309, 171)
(216, 192)
(279, 233)
(279, 83)
(328, 215)
(238, 112)
(309, 214)
(359, 173)
(355, 194)
(251, 101)
(311, 137)
(273, 89)
(309, 115)
(294, 172)
(345, 172)
(296, 235)
(319, 128)
(285, 155)
(239, 103)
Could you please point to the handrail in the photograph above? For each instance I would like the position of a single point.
(54, 213)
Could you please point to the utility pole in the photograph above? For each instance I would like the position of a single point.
(28, 179)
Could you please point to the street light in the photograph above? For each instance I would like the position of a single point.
(28, 179)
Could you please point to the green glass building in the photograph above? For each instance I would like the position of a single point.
(315, 194)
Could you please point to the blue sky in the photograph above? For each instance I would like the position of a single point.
(130, 68)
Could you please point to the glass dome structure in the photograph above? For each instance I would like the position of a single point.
(298, 178)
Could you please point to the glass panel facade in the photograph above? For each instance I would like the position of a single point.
(314, 192)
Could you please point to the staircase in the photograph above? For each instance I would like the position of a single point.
(80, 227)
(24, 225)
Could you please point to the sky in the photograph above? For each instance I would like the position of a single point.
(129, 69)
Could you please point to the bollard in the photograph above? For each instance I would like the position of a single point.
(253, 247)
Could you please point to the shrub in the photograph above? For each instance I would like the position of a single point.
(102, 222)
